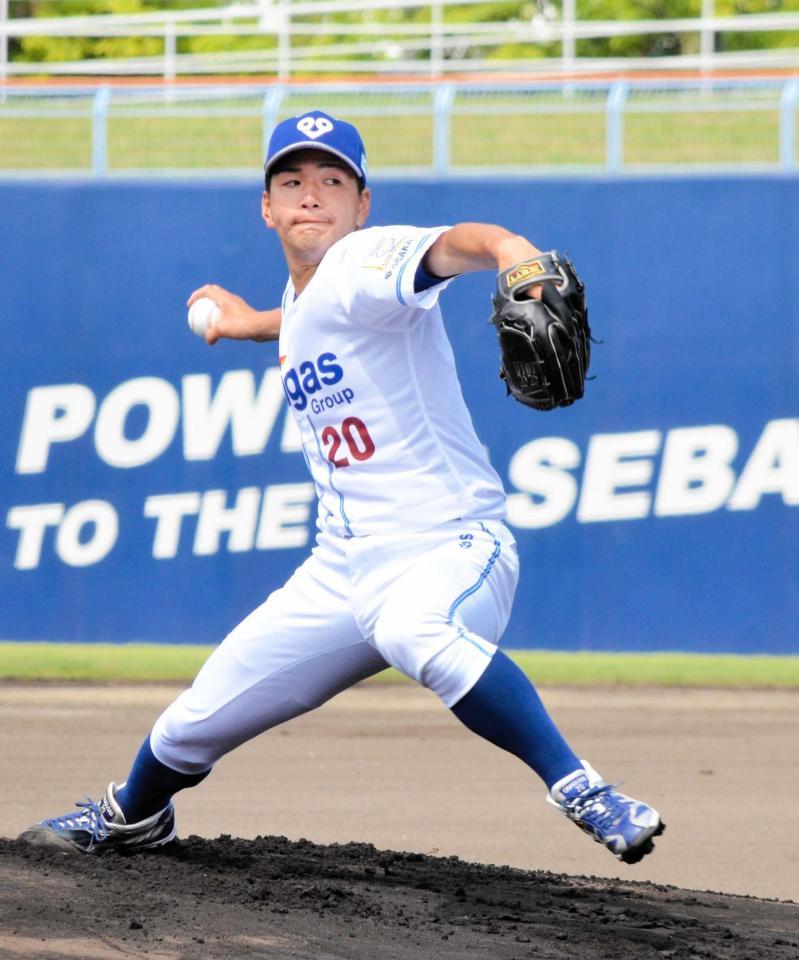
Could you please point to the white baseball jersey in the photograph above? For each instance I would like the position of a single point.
(370, 378)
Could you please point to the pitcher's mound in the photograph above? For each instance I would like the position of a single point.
(273, 898)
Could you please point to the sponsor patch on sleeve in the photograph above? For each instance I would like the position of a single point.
(379, 257)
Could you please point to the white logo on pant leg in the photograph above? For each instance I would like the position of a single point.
(314, 127)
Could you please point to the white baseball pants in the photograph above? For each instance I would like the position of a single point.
(432, 604)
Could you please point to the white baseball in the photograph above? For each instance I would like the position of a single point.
(203, 314)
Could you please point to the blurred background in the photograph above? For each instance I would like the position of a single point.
(153, 488)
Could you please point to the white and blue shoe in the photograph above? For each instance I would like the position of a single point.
(625, 826)
(99, 826)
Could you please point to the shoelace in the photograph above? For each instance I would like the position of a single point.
(586, 805)
(94, 822)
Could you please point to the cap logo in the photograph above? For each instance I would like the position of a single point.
(314, 127)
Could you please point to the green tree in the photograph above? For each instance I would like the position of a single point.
(41, 49)
(509, 12)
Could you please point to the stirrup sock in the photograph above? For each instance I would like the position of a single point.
(151, 785)
(504, 708)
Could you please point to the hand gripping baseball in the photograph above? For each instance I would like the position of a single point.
(545, 344)
(229, 316)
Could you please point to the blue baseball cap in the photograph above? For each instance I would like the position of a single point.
(318, 131)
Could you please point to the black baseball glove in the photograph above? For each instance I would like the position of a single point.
(545, 344)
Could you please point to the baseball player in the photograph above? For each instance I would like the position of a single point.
(412, 566)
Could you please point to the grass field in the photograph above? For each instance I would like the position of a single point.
(183, 138)
(154, 663)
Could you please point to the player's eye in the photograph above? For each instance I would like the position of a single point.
(333, 181)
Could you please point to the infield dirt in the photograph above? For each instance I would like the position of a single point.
(389, 766)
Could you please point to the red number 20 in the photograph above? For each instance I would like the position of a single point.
(356, 437)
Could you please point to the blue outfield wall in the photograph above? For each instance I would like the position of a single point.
(151, 489)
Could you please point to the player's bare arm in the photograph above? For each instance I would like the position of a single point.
(238, 320)
(468, 247)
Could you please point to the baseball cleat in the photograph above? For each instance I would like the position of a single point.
(624, 825)
(98, 827)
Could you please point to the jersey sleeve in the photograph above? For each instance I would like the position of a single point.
(380, 266)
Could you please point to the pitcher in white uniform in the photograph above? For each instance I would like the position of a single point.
(413, 566)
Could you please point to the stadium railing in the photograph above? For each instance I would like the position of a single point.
(374, 36)
(413, 129)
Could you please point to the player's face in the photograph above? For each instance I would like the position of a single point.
(313, 201)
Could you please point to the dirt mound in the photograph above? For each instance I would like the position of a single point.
(269, 897)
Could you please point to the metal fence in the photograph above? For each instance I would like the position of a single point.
(281, 38)
(412, 129)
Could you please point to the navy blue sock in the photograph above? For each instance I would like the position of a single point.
(504, 708)
(151, 785)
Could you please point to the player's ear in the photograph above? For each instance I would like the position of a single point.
(266, 209)
(364, 202)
